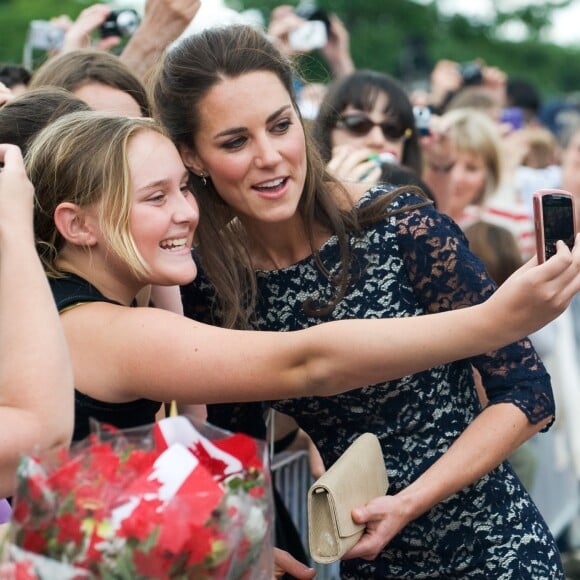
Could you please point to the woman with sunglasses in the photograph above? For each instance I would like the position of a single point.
(283, 246)
(366, 120)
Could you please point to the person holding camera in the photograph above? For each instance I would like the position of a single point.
(301, 29)
(101, 28)
(304, 28)
(366, 130)
(61, 34)
(449, 78)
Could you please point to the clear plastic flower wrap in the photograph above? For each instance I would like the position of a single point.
(176, 499)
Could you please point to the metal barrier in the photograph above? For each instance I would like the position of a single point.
(292, 478)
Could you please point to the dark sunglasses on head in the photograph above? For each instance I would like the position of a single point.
(362, 125)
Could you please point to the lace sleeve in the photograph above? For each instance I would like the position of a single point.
(446, 275)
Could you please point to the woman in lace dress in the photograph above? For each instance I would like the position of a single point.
(282, 246)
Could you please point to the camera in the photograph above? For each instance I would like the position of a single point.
(471, 73)
(312, 34)
(309, 11)
(120, 23)
(43, 35)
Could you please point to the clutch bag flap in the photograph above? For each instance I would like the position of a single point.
(358, 476)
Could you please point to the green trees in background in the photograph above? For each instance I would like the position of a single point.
(400, 37)
(396, 36)
(16, 14)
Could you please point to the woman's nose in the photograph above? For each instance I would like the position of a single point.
(375, 138)
(267, 153)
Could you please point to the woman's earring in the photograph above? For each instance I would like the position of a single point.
(203, 179)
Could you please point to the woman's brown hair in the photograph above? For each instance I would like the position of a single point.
(72, 70)
(187, 74)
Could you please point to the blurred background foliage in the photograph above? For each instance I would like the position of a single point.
(401, 37)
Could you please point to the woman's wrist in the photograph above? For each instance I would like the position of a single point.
(413, 502)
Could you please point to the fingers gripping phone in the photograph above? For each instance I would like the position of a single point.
(554, 219)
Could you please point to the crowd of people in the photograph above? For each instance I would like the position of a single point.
(354, 257)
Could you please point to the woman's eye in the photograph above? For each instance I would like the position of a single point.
(157, 197)
(282, 126)
(234, 143)
(185, 189)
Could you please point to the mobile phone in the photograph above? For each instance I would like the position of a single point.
(422, 117)
(554, 219)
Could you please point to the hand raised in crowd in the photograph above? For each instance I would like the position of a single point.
(445, 79)
(283, 20)
(337, 49)
(79, 34)
(15, 210)
(163, 22)
(495, 81)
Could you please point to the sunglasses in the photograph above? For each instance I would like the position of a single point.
(361, 125)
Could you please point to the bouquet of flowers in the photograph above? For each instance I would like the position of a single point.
(166, 502)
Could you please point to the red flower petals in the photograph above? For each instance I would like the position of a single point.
(177, 510)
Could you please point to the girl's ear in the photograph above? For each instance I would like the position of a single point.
(191, 160)
(75, 225)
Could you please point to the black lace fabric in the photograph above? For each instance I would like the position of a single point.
(446, 276)
(410, 264)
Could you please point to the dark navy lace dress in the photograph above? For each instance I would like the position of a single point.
(410, 264)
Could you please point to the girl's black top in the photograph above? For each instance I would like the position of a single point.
(68, 292)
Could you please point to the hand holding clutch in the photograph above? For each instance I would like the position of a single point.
(357, 476)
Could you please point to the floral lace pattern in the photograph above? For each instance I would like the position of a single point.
(410, 264)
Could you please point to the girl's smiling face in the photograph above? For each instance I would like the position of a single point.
(251, 144)
(164, 213)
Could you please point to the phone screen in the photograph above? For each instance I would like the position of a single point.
(558, 217)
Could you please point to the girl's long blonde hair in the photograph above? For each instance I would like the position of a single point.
(82, 158)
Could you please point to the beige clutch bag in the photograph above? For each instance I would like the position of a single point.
(358, 476)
